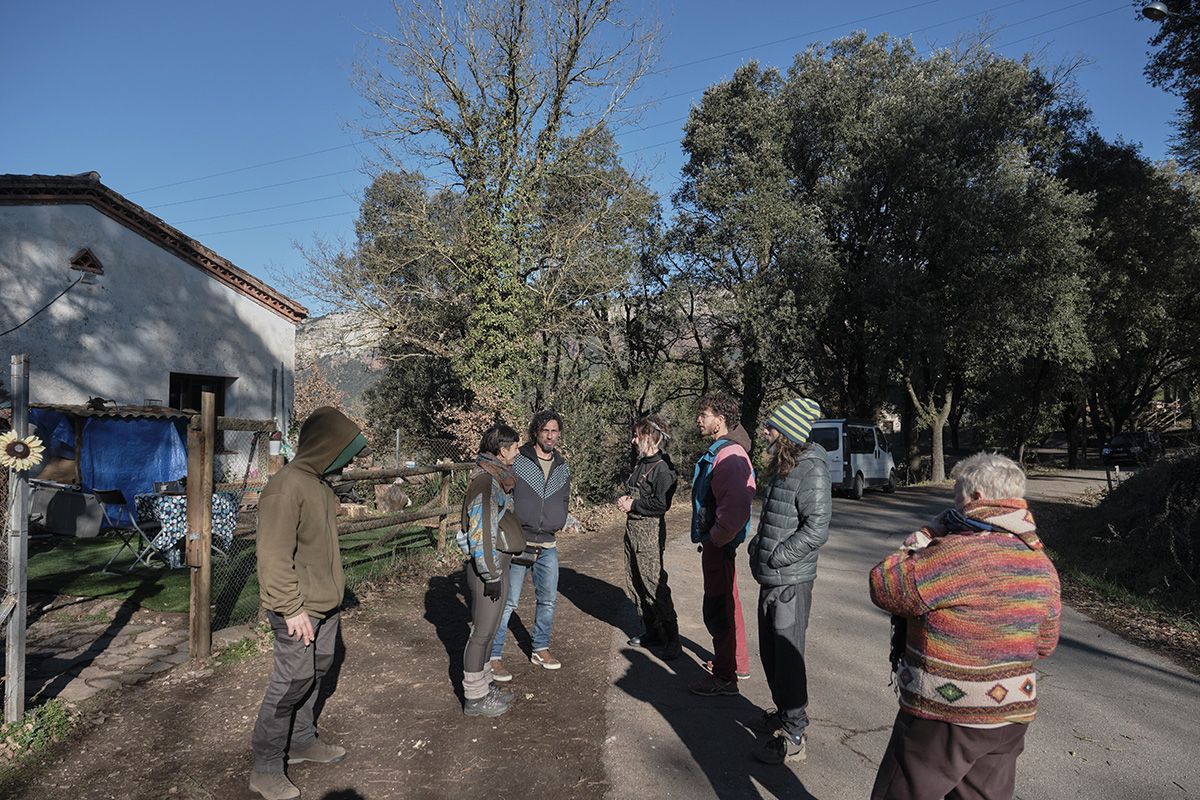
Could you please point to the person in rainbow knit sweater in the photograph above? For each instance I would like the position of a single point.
(981, 603)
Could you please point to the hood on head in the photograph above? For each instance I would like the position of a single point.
(738, 434)
(326, 438)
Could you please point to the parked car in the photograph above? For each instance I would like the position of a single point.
(1132, 447)
(858, 453)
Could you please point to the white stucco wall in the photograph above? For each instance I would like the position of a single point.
(150, 314)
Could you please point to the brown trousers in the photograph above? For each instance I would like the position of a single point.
(929, 759)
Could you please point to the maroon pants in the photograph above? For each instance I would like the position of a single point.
(930, 759)
(723, 612)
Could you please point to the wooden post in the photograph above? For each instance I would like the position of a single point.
(443, 500)
(274, 452)
(18, 553)
(201, 439)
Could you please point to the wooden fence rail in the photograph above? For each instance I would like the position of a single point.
(441, 511)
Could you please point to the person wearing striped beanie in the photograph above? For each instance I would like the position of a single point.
(792, 526)
(982, 605)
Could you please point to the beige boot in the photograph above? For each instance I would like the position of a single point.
(273, 786)
(316, 751)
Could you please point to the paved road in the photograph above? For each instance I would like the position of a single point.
(1114, 722)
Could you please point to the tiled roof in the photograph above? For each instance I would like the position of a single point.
(87, 189)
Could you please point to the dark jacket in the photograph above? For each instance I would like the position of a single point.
(794, 523)
(299, 561)
(541, 502)
(652, 486)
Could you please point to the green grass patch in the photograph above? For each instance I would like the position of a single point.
(237, 652)
(74, 567)
(24, 740)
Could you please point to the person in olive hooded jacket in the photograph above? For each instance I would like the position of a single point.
(301, 585)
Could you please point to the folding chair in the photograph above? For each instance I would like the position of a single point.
(137, 537)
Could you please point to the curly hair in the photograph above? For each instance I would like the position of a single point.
(721, 405)
(540, 419)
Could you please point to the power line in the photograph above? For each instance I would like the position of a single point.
(792, 38)
(258, 188)
(641, 128)
(1066, 25)
(250, 167)
(656, 72)
(43, 308)
(316, 177)
(279, 224)
(264, 208)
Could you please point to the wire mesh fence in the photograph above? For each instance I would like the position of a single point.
(424, 452)
(369, 551)
(241, 466)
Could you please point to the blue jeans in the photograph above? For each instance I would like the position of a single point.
(545, 588)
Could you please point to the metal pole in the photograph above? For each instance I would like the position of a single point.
(18, 552)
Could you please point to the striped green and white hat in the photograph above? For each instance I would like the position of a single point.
(795, 418)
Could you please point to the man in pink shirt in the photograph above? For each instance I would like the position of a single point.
(722, 491)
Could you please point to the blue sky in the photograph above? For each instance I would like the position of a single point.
(153, 95)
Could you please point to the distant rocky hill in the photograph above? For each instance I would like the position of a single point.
(345, 347)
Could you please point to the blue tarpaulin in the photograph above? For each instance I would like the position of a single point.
(131, 455)
(56, 430)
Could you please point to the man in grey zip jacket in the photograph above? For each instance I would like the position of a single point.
(541, 494)
(793, 525)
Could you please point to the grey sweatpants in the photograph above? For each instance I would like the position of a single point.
(485, 620)
(782, 625)
(287, 708)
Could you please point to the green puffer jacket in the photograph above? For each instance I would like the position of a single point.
(794, 523)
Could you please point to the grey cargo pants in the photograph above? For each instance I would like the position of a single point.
(286, 713)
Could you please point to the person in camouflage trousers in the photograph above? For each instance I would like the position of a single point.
(649, 491)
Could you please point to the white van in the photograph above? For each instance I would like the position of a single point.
(858, 453)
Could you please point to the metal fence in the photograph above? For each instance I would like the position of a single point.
(241, 465)
(377, 528)
(423, 452)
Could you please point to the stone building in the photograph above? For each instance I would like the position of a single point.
(110, 301)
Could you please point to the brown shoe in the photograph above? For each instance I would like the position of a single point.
(273, 786)
(499, 673)
(544, 660)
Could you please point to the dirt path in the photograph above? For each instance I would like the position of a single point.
(186, 734)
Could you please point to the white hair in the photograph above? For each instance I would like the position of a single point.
(992, 475)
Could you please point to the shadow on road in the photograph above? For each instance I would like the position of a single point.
(599, 599)
(447, 610)
(710, 727)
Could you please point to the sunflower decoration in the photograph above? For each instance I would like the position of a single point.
(20, 454)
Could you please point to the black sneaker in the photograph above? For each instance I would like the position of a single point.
(768, 722)
(741, 676)
(712, 686)
(647, 639)
(490, 705)
(781, 748)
